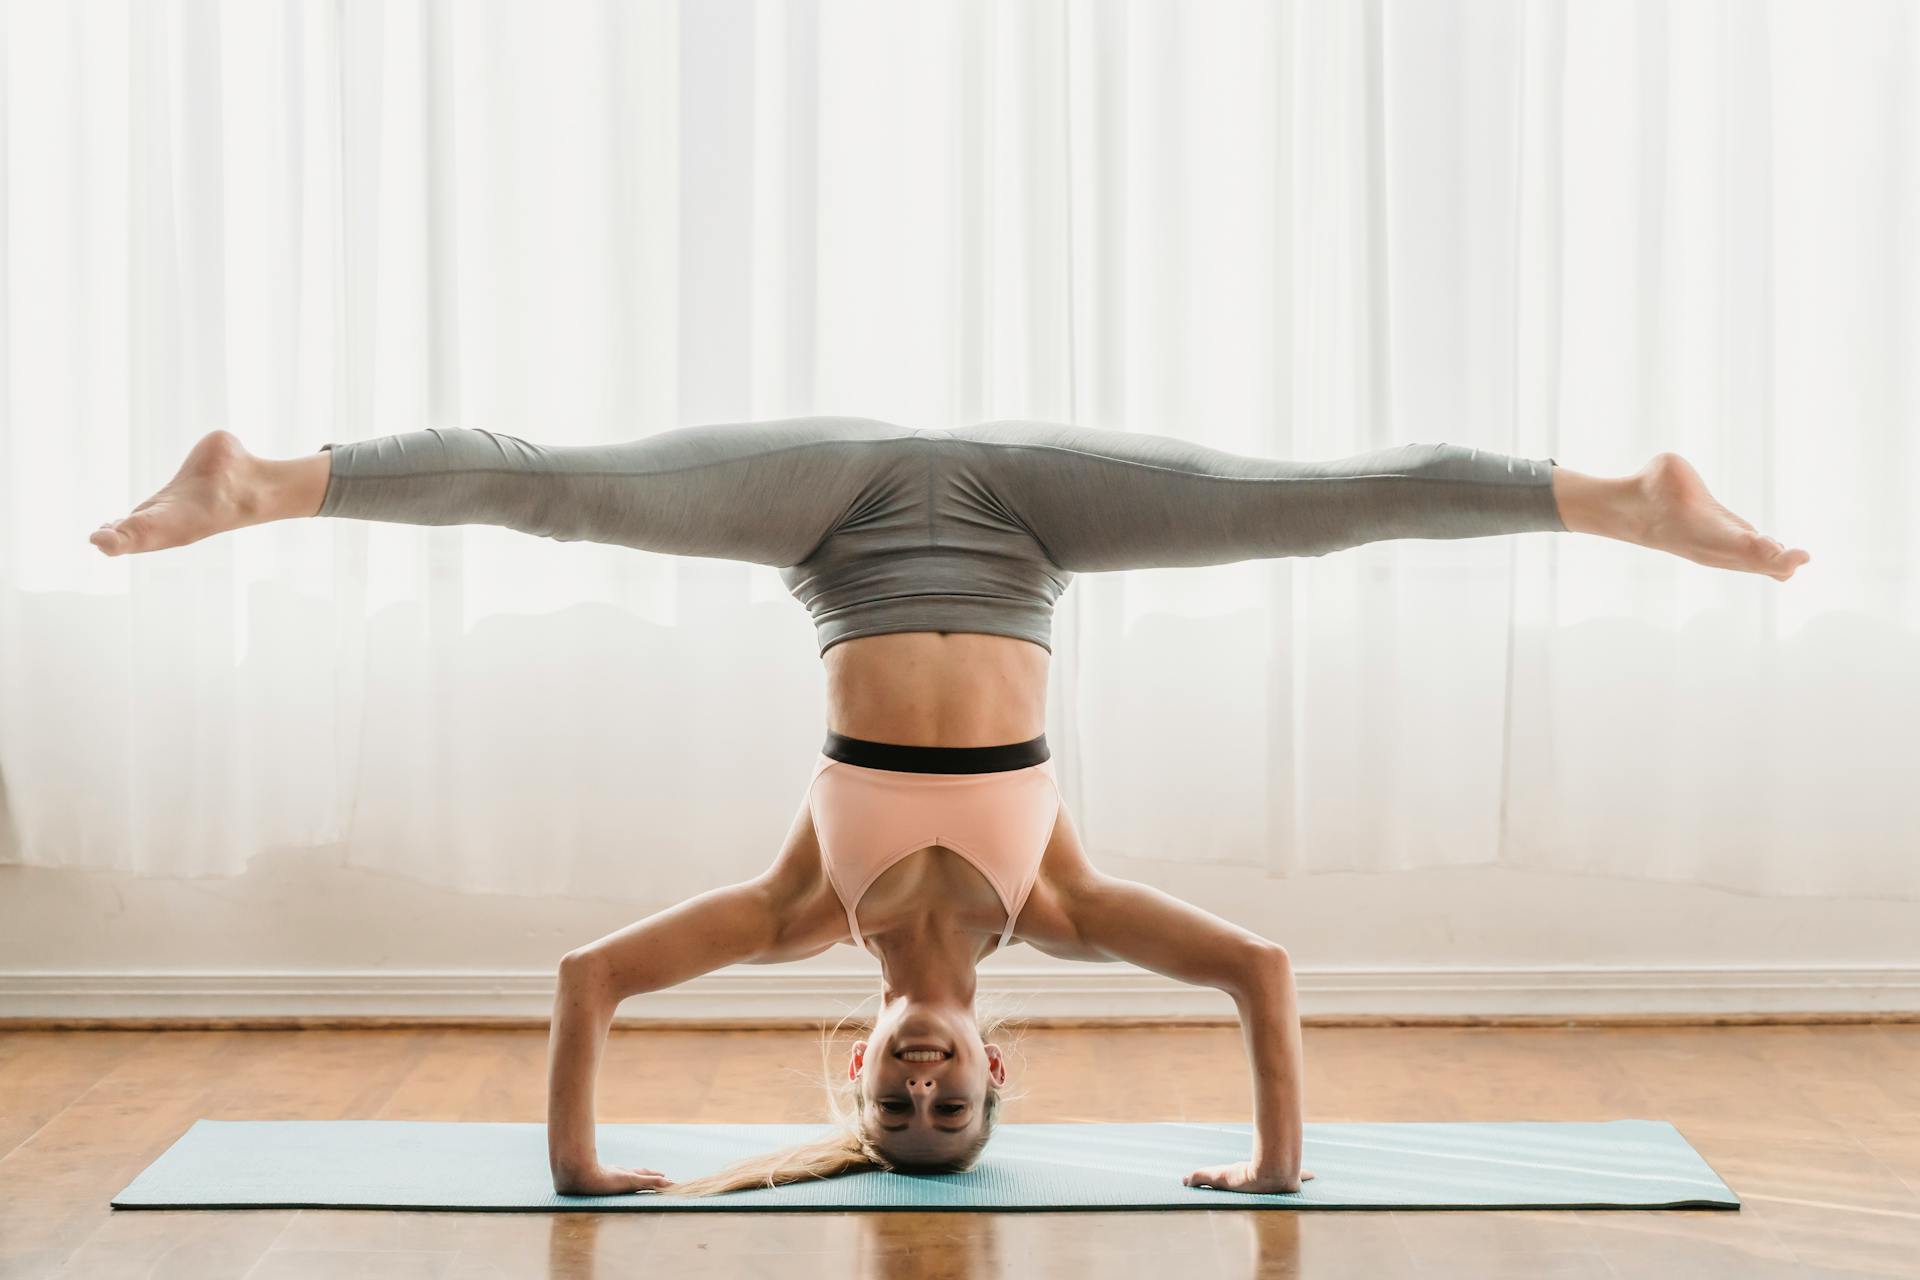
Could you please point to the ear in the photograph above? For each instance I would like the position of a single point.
(996, 1064)
(857, 1059)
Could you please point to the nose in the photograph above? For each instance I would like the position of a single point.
(921, 1090)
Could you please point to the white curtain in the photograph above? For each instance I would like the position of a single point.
(1590, 231)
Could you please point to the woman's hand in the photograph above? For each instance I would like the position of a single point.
(1244, 1176)
(609, 1180)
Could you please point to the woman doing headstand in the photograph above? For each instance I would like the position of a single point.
(932, 832)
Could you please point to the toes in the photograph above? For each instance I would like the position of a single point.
(150, 531)
(1759, 549)
(1775, 556)
(1783, 567)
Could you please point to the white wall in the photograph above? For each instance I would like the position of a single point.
(302, 934)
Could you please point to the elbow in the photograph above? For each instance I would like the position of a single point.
(1268, 969)
(582, 970)
(1273, 958)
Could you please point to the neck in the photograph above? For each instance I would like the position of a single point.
(928, 967)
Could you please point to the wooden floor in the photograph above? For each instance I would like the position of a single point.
(1817, 1128)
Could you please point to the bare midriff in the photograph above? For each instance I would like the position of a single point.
(937, 689)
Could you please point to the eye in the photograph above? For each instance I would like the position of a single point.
(894, 1106)
(951, 1108)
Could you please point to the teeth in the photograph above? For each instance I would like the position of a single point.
(923, 1055)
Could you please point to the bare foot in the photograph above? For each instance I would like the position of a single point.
(211, 493)
(1672, 511)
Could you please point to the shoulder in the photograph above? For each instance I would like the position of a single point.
(1064, 888)
(803, 913)
(1065, 871)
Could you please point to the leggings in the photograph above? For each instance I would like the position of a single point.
(877, 527)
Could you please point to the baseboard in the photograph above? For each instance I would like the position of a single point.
(1096, 992)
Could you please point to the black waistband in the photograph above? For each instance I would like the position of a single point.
(906, 759)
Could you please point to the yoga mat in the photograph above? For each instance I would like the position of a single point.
(410, 1164)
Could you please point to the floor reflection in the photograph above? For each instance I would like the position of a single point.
(1259, 1242)
(934, 1245)
(584, 1245)
(951, 1246)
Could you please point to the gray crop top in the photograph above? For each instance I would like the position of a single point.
(928, 541)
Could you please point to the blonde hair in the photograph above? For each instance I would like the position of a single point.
(847, 1149)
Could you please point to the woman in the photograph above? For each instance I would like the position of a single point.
(932, 832)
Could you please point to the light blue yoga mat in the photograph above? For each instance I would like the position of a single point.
(407, 1164)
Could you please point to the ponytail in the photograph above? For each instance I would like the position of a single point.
(841, 1151)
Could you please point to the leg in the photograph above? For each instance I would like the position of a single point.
(1103, 500)
(764, 492)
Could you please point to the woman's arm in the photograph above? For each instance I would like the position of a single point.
(1118, 919)
(740, 922)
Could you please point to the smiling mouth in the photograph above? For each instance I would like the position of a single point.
(922, 1053)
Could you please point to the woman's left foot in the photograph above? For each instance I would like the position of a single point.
(211, 493)
(1672, 511)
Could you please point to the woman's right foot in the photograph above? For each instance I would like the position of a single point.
(1669, 509)
(213, 491)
